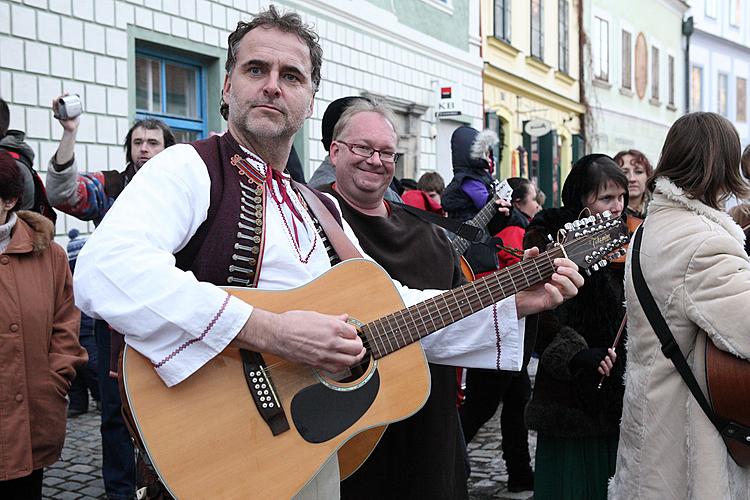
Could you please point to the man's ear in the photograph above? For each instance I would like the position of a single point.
(334, 152)
(311, 108)
(226, 88)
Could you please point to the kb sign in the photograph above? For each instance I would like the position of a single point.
(449, 102)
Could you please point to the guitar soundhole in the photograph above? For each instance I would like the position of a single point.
(352, 377)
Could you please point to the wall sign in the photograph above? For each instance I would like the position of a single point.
(641, 66)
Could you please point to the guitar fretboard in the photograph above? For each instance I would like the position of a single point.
(390, 333)
(479, 220)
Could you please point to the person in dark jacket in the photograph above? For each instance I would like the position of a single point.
(86, 377)
(485, 389)
(472, 184)
(578, 423)
(14, 143)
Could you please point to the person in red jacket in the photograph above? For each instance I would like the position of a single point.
(427, 195)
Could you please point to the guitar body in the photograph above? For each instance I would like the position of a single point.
(206, 437)
(728, 381)
(466, 269)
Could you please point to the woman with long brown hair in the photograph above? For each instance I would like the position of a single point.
(695, 266)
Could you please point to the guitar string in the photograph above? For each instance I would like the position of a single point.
(498, 282)
(501, 283)
(497, 285)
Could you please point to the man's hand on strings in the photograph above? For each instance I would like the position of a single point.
(322, 341)
(561, 286)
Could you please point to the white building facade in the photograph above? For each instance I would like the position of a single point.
(634, 73)
(165, 58)
(720, 60)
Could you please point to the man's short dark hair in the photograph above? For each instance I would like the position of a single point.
(4, 118)
(289, 22)
(148, 124)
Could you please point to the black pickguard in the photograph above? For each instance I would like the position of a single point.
(321, 413)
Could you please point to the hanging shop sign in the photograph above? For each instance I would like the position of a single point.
(537, 127)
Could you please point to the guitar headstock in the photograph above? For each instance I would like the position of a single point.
(503, 191)
(593, 241)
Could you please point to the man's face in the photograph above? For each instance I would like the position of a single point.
(269, 91)
(364, 180)
(145, 143)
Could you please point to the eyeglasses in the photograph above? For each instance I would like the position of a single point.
(367, 152)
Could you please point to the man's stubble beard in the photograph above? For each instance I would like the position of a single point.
(271, 130)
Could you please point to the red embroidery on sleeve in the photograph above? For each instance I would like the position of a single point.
(192, 341)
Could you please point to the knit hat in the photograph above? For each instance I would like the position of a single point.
(331, 117)
(75, 244)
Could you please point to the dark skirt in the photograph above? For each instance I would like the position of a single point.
(574, 468)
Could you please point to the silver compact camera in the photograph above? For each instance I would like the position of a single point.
(69, 107)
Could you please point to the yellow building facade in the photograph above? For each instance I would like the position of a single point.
(531, 88)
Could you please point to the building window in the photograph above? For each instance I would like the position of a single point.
(722, 86)
(172, 89)
(710, 10)
(537, 31)
(671, 80)
(627, 60)
(563, 36)
(741, 99)
(654, 73)
(601, 49)
(735, 12)
(696, 88)
(502, 20)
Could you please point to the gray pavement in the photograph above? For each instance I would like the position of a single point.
(77, 475)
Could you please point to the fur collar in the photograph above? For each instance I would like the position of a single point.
(41, 231)
(676, 195)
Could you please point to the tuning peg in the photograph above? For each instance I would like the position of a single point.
(603, 263)
(607, 214)
(595, 267)
(568, 226)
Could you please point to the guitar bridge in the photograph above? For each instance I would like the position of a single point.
(263, 392)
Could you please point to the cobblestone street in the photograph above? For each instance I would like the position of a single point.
(77, 476)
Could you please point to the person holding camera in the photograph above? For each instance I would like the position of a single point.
(88, 196)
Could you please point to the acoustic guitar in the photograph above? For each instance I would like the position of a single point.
(254, 424)
(728, 382)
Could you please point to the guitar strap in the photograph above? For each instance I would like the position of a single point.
(726, 428)
(466, 231)
(340, 242)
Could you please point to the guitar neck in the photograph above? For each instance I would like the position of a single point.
(479, 220)
(402, 328)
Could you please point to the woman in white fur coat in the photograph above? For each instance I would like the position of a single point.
(693, 260)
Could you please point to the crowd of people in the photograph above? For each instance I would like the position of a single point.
(613, 415)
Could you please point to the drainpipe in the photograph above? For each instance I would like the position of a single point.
(581, 73)
(687, 31)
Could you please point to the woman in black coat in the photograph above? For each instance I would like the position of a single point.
(577, 423)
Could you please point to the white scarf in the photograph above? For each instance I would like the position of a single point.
(5, 230)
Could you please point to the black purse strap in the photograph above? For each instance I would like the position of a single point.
(668, 344)
(466, 231)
